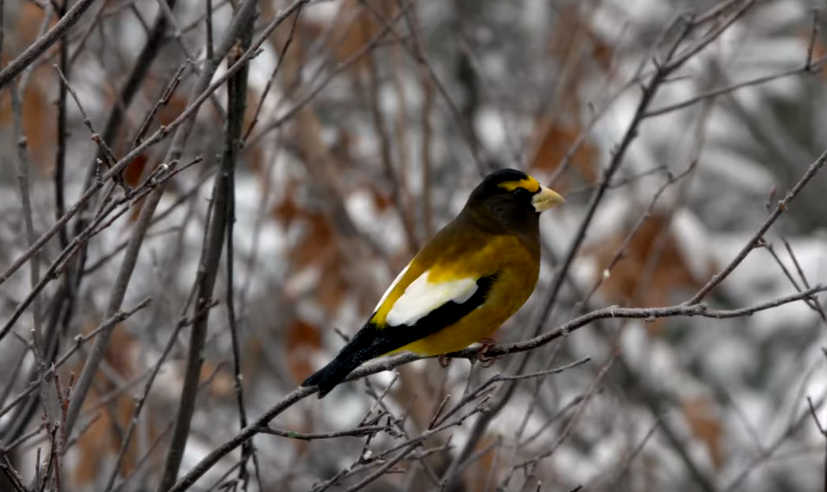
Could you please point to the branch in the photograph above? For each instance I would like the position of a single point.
(183, 120)
(202, 88)
(809, 67)
(756, 238)
(43, 43)
(357, 432)
(211, 258)
(648, 314)
(236, 108)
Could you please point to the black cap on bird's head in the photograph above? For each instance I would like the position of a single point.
(512, 197)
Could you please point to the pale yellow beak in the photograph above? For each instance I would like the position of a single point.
(545, 199)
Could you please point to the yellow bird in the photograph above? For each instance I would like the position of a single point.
(463, 284)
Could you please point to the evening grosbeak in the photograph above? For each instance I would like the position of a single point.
(463, 284)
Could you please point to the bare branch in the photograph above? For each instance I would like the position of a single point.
(37, 48)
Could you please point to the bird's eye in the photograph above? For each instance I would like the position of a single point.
(522, 193)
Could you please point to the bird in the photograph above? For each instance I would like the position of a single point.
(462, 285)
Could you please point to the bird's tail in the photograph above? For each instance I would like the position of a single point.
(358, 350)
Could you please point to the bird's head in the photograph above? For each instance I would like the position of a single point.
(512, 196)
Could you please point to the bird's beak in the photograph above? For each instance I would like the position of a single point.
(545, 199)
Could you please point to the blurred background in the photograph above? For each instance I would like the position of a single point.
(367, 123)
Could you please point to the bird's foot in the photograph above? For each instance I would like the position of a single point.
(482, 358)
(444, 361)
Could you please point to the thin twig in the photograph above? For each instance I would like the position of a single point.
(79, 341)
(214, 237)
(183, 120)
(419, 56)
(60, 148)
(162, 101)
(22, 164)
(236, 107)
(716, 279)
(273, 75)
(809, 67)
(43, 43)
(142, 399)
(203, 88)
(107, 152)
(357, 432)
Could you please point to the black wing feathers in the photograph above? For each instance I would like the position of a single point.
(371, 341)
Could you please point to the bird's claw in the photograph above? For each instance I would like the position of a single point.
(482, 358)
(444, 361)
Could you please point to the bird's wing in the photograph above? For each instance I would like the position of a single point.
(413, 309)
(423, 296)
(409, 311)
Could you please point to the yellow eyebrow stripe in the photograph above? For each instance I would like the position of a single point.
(529, 184)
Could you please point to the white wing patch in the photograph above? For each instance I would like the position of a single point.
(387, 292)
(423, 296)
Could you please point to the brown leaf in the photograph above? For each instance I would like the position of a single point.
(254, 154)
(357, 27)
(173, 109)
(333, 285)
(484, 472)
(287, 211)
(38, 109)
(29, 22)
(556, 132)
(572, 37)
(38, 116)
(819, 48)
(135, 211)
(222, 384)
(303, 339)
(700, 413)
(319, 243)
(553, 141)
(382, 201)
(635, 280)
(135, 170)
(319, 247)
(101, 442)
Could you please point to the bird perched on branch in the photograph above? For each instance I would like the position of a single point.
(463, 284)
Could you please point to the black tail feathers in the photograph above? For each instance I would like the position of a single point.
(332, 374)
(363, 347)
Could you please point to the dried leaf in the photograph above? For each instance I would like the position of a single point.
(38, 116)
(173, 109)
(303, 339)
(557, 132)
(381, 200)
(287, 211)
(102, 440)
(319, 247)
(318, 244)
(572, 37)
(28, 24)
(135, 211)
(357, 28)
(700, 413)
(253, 154)
(222, 384)
(819, 47)
(653, 268)
(38, 109)
(553, 141)
(484, 472)
(135, 170)
(333, 286)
